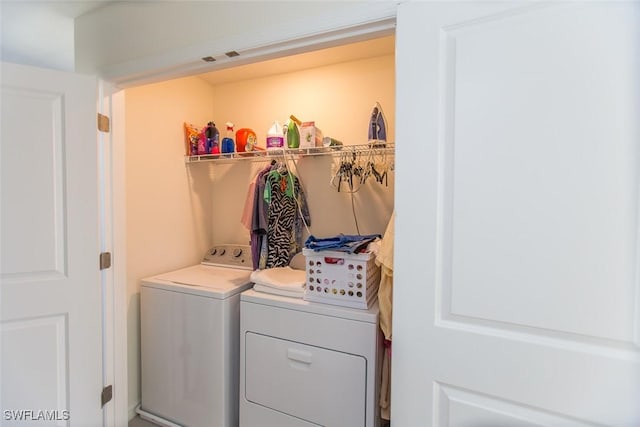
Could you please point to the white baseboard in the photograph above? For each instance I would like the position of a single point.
(132, 410)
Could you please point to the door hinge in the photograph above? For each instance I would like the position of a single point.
(105, 260)
(103, 123)
(107, 395)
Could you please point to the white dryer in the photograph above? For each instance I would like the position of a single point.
(307, 364)
(190, 349)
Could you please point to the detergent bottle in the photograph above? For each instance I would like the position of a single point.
(245, 140)
(275, 137)
(227, 141)
(292, 132)
(212, 139)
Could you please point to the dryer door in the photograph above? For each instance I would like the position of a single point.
(322, 386)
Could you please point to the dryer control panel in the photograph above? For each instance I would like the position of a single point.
(237, 256)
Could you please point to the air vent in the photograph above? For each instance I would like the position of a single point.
(208, 59)
(232, 53)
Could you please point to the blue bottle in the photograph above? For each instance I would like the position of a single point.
(228, 145)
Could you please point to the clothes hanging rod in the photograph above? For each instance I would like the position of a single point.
(261, 156)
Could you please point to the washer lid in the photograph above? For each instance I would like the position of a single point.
(218, 282)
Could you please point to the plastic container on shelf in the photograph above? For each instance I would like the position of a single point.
(245, 140)
(310, 135)
(212, 139)
(275, 137)
(227, 142)
(292, 132)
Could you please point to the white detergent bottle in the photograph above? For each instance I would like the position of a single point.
(275, 137)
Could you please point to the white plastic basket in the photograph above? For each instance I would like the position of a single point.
(340, 278)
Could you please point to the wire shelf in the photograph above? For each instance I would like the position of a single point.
(265, 155)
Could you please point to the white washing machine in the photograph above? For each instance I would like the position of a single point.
(307, 364)
(190, 349)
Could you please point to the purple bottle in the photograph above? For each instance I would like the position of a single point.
(213, 139)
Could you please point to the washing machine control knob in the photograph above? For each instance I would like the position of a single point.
(237, 252)
(213, 251)
(222, 252)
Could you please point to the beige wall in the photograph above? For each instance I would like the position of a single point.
(339, 98)
(168, 204)
(176, 211)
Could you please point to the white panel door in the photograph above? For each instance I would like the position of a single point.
(517, 266)
(50, 293)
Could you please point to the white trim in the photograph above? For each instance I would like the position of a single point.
(154, 418)
(113, 235)
(133, 410)
(118, 177)
(106, 276)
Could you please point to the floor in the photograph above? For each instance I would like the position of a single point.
(139, 422)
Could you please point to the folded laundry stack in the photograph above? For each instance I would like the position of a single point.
(283, 281)
(342, 243)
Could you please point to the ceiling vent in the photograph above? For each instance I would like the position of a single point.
(232, 53)
(208, 59)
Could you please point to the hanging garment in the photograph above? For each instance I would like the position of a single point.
(258, 219)
(301, 222)
(283, 195)
(385, 382)
(248, 209)
(384, 259)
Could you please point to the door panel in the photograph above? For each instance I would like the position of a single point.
(519, 305)
(554, 217)
(44, 370)
(32, 174)
(50, 292)
(462, 408)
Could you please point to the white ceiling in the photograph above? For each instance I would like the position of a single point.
(351, 52)
(21, 44)
(41, 33)
(68, 9)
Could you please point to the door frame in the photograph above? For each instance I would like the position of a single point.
(110, 102)
(358, 30)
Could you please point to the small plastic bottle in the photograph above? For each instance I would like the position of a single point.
(227, 142)
(213, 139)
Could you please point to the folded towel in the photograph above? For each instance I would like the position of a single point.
(280, 278)
(277, 291)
